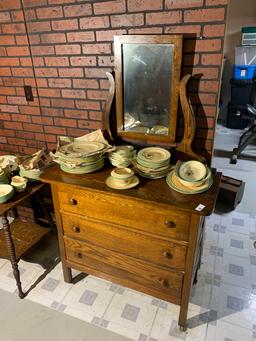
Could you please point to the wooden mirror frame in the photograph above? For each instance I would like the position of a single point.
(175, 40)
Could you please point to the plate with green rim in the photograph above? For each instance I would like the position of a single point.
(154, 155)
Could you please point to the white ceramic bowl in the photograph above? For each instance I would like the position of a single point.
(192, 171)
(6, 192)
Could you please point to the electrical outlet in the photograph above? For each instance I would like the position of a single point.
(28, 93)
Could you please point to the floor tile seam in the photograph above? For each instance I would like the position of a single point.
(235, 285)
(152, 325)
(236, 325)
(108, 305)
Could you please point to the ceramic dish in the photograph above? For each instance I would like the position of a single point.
(83, 169)
(122, 173)
(154, 155)
(159, 130)
(151, 170)
(153, 165)
(112, 183)
(196, 184)
(6, 192)
(192, 171)
(129, 120)
(82, 148)
(30, 174)
(172, 182)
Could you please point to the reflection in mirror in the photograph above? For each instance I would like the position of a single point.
(147, 75)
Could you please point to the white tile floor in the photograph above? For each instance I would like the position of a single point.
(223, 302)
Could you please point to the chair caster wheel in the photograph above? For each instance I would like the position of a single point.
(233, 159)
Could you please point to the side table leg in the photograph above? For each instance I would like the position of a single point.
(11, 251)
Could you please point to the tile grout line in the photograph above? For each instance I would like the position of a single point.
(152, 325)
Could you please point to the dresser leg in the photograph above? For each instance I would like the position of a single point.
(12, 255)
(67, 274)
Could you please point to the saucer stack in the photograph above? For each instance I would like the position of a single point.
(190, 177)
(122, 156)
(152, 162)
(81, 157)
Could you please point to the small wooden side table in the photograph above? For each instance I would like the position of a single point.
(18, 237)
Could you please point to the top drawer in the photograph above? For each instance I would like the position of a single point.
(125, 211)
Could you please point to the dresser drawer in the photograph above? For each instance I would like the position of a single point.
(144, 216)
(131, 272)
(132, 243)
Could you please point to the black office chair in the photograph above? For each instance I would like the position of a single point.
(247, 136)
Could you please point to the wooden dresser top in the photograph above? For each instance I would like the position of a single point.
(156, 191)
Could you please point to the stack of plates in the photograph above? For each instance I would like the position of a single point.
(152, 162)
(81, 157)
(122, 156)
(190, 177)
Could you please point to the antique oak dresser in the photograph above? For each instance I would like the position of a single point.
(148, 238)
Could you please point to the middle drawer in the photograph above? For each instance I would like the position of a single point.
(122, 240)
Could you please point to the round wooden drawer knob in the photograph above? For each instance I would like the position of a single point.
(76, 229)
(170, 224)
(168, 254)
(78, 255)
(163, 282)
(73, 202)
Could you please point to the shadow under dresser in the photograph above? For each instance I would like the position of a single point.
(148, 238)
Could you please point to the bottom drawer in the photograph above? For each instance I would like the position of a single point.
(124, 270)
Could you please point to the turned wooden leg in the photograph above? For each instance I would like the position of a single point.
(12, 255)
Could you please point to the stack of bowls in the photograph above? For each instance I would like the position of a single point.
(30, 174)
(122, 178)
(81, 157)
(190, 177)
(122, 156)
(152, 162)
(19, 183)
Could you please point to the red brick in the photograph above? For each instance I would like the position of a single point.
(7, 40)
(29, 110)
(53, 38)
(205, 73)
(144, 5)
(65, 122)
(71, 72)
(5, 117)
(78, 10)
(22, 40)
(52, 112)
(41, 83)
(108, 35)
(21, 118)
(13, 81)
(77, 132)
(106, 61)
(202, 45)
(85, 83)
(56, 61)
(109, 7)
(65, 25)
(9, 62)
(45, 137)
(4, 17)
(38, 61)
(14, 28)
(16, 100)
(18, 51)
(204, 15)
(17, 141)
(33, 127)
(203, 98)
(24, 134)
(83, 61)
(80, 36)
(13, 125)
(186, 30)
(33, 3)
(214, 30)
(125, 20)
(171, 17)
(146, 30)
(96, 48)
(49, 92)
(42, 120)
(95, 115)
(25, 61)
(7, 91)
(30, 14)
(49, 12)
(104, 84)
(33, 39)
(3, 139)
(190, 59)
(3, 100)
(42, 50)
(89, 124)
(94, 22)
(211, 59)
(174, 4)
(216, 2)
(9, 4)
(209, 111)
(28, 151)
(73, 93)
(75, 113)
(9, 108)
(68, 49)
(59, 83)
(96, 72)
(204, 122)
(45, 102)
(55, 130)
(61, 2)
(6, 132)
(88, 105)
(46, 72)
(63, 103)
(41, 26)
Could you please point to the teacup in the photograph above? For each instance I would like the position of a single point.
(19, 183)
(122, 176)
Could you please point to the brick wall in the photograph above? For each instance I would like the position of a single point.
(72, 47)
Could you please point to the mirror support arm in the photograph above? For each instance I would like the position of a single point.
(106, 118)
